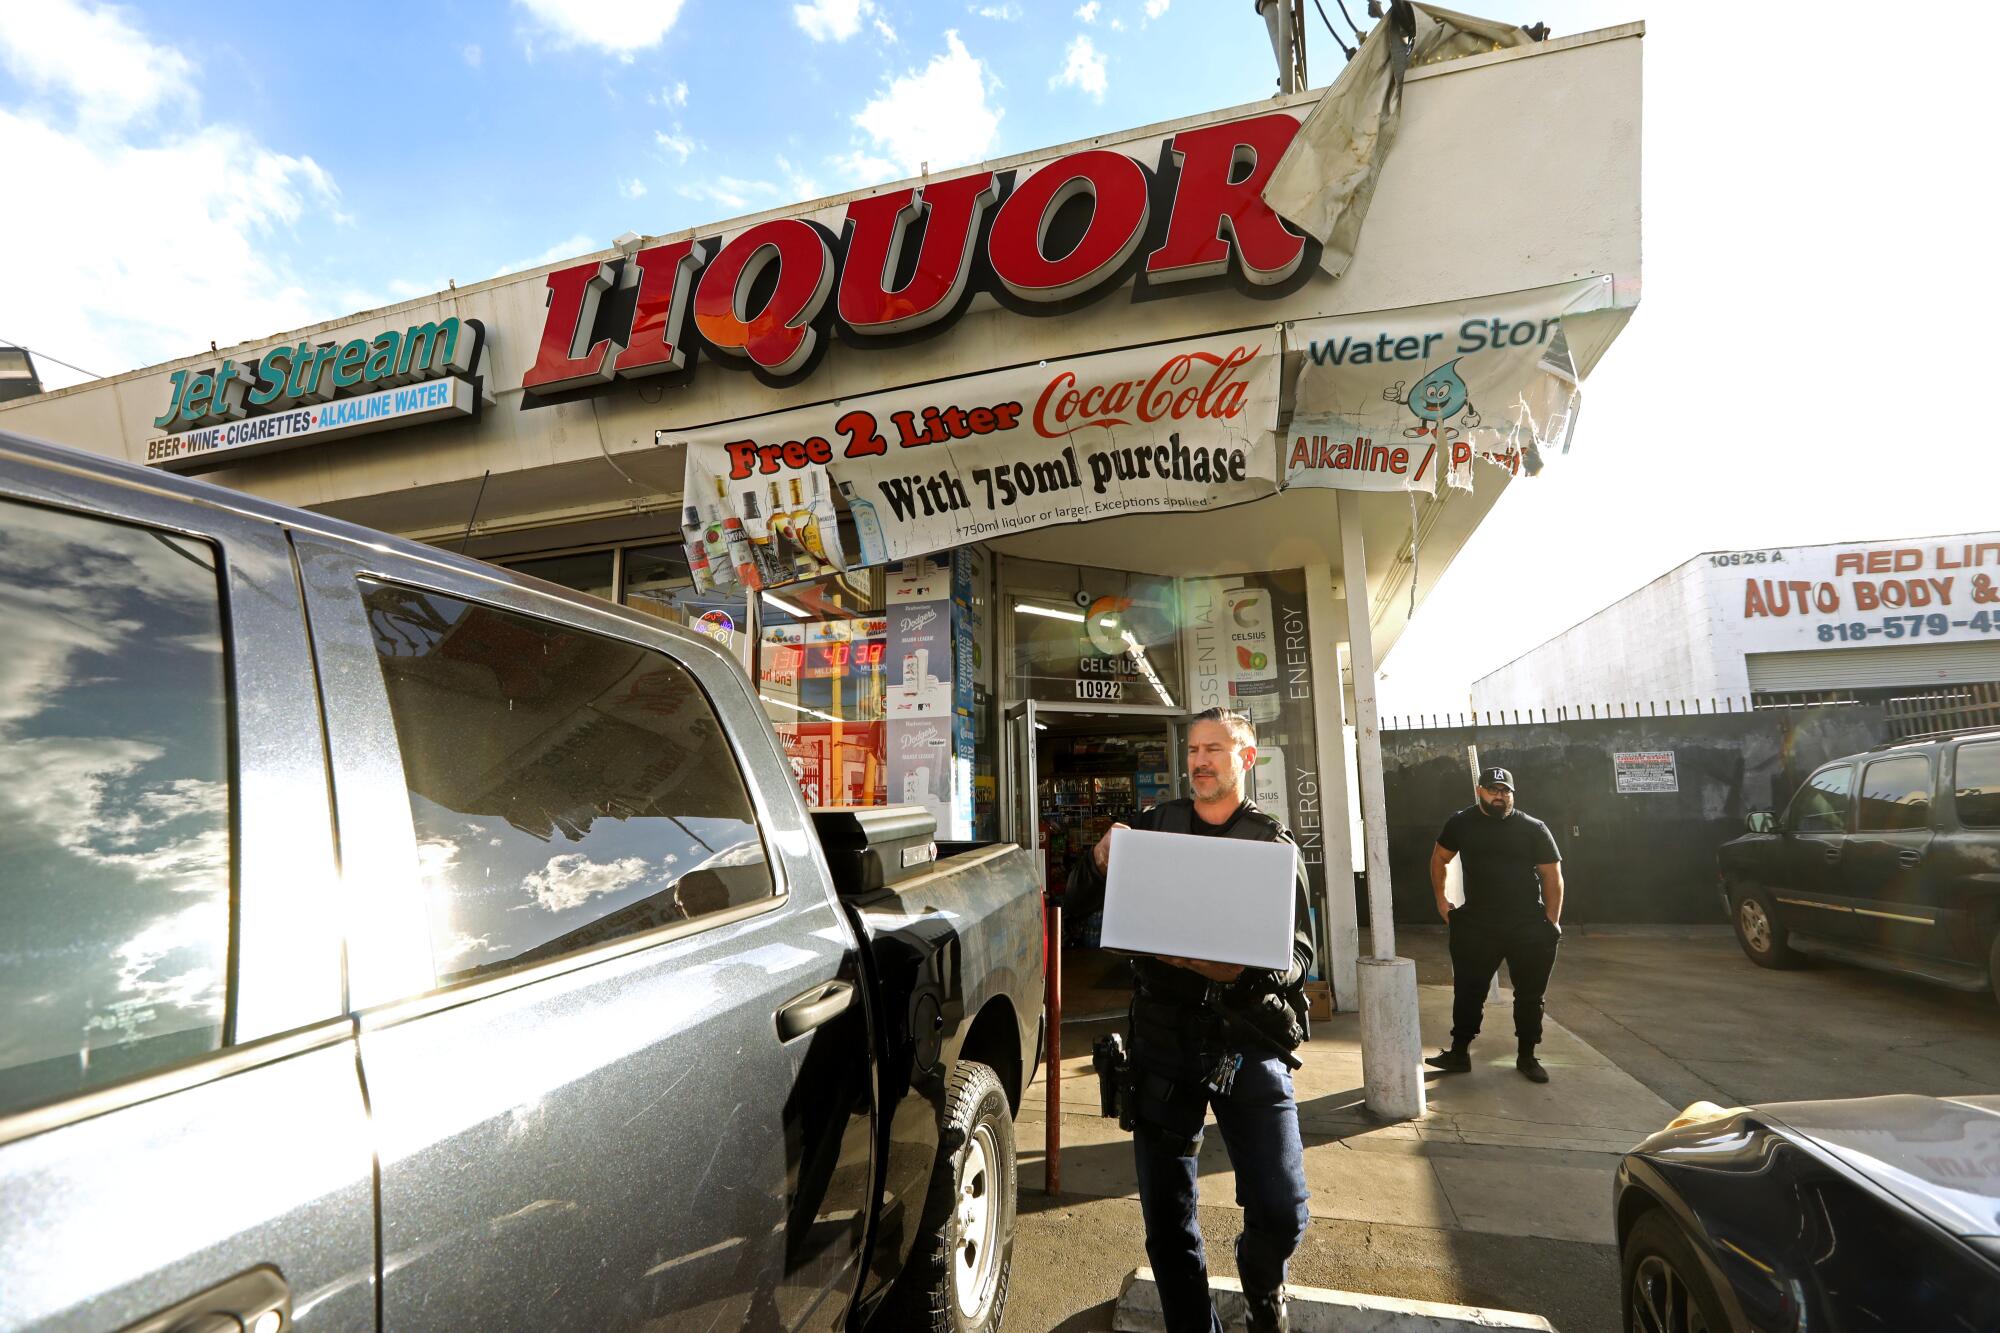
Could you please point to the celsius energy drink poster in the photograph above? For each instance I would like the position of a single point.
(922, 760)
(1251, 666)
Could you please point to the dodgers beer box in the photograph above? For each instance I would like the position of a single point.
(1222, 900)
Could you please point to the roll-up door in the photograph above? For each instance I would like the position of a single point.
(1874, 667)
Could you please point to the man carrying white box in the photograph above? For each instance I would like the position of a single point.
(1213, 1034)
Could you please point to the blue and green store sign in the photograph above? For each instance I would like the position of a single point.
(315, 391)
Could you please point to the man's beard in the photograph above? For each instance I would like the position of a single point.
(1493, 808)
(1213, 787)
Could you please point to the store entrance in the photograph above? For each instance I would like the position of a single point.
(1076, 771)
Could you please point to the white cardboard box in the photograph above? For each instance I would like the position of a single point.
(1223, 900)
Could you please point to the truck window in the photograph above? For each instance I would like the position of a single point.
(1977, 782)
(1896, 794)
(1821, 805)
(567, 788)
(114, 818)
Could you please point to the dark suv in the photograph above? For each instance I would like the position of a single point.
(1889, 859)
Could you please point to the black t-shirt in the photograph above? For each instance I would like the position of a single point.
(1500, 856)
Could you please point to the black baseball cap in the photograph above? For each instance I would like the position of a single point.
(1493, 779)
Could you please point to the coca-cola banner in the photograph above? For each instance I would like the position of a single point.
(1159, 429)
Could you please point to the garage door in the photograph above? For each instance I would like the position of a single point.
(1873, 667)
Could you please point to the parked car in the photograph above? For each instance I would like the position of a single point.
(388, 941)
(1873, 1213)
(1889, 859)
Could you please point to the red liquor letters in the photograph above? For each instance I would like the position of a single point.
(1216, 222)
(878, 227)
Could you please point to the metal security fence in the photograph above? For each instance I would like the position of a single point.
(1643, 854)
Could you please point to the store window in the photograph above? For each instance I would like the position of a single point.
(594, 572)
(657, 581)
(822, 674)
(1095, 635)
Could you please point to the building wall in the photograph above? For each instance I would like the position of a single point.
(1689, 634)
(1656, 643)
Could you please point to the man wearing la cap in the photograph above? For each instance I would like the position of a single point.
(1512, 911)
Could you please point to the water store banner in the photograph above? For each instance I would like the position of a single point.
(1158, 429)
(1386, 401)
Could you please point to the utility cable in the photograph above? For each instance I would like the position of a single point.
(1333, 31)
(1349, 17)
(46, 357)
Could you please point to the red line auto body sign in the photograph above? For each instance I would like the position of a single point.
(1387, 400)
(1160, 429)
(1930, 590)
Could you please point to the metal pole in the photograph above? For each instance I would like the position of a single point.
(1391, 1040)
(1052, 1138)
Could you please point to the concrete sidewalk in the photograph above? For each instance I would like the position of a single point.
(1501, 1196)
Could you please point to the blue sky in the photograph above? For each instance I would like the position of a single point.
(1814, 242)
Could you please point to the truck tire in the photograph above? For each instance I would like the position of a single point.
(957, 1278)
(1767, 943)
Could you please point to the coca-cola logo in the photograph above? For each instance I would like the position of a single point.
(1198, 385)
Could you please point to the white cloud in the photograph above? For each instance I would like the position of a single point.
(732, 192)
(573, 879)
(1088, 11)
(95, 57)
(1083, 69)
(1006, 13)
(120, 130)
(616, 27)
(938, 115)
(679, 96)
(860, 168)
(801, 185)
(1117, 25)
(633, 189)
(1155, 8)
(882, 28)
(831, 20)
(473, 55)
(569, 248)
(678, 144)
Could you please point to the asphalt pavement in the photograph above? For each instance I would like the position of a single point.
(1501, 1196)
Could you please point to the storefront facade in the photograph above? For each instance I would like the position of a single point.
(992, 478)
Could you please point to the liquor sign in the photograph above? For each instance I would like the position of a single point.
(291, 394)
(1388, 401)
(907, 262)
(1161, 429)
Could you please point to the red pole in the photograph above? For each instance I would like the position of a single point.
(1052, 1145)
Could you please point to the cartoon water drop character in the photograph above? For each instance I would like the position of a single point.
(1434, 400)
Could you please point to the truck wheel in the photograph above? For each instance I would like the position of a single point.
(957, 1278)
(1766, 942)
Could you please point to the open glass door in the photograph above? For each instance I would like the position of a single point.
(1018, 782)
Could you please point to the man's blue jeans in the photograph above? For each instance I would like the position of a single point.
(1259, 1122)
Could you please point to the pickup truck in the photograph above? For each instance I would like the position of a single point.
(1888, 859)
(388, 941)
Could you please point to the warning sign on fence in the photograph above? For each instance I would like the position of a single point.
(1646, 771)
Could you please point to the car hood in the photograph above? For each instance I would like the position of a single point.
(1939, 1155)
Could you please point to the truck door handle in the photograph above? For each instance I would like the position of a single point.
(258, 1301)
(821, 1004)
(1832, 855)
(1909, 856)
